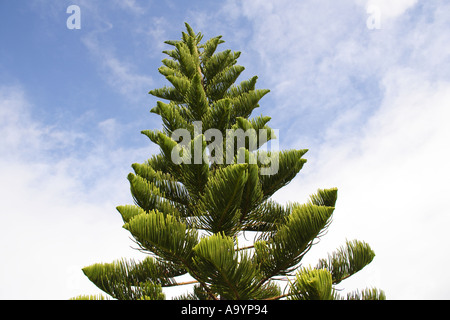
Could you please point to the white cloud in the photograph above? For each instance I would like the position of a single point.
(392, 183)
(119, 74)
(313, 55)
(300, 49)
(58, 209)
(152, 33)
(21, 136)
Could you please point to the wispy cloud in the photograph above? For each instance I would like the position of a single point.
(152, 33)
(322, 63)
(131, 5)
(118, 73)
(116, 65)
(21, 136)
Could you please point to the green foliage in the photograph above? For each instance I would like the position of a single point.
(367, 294)
(284, 250)
(232, 274)
(90, 297)
(195, 199)
(164, 236)
(347, 260)
(312, 284)
(128, 280)
(222, 198)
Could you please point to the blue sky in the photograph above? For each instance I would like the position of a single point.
(371, 105)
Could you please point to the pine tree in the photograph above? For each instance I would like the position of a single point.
(212, 183)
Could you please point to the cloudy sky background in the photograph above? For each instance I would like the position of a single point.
(372, 105)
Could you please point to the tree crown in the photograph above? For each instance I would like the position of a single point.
(211, 183)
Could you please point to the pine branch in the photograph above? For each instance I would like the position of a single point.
(347, 260)
(278, 297)
(184, 283)
(245, 248)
